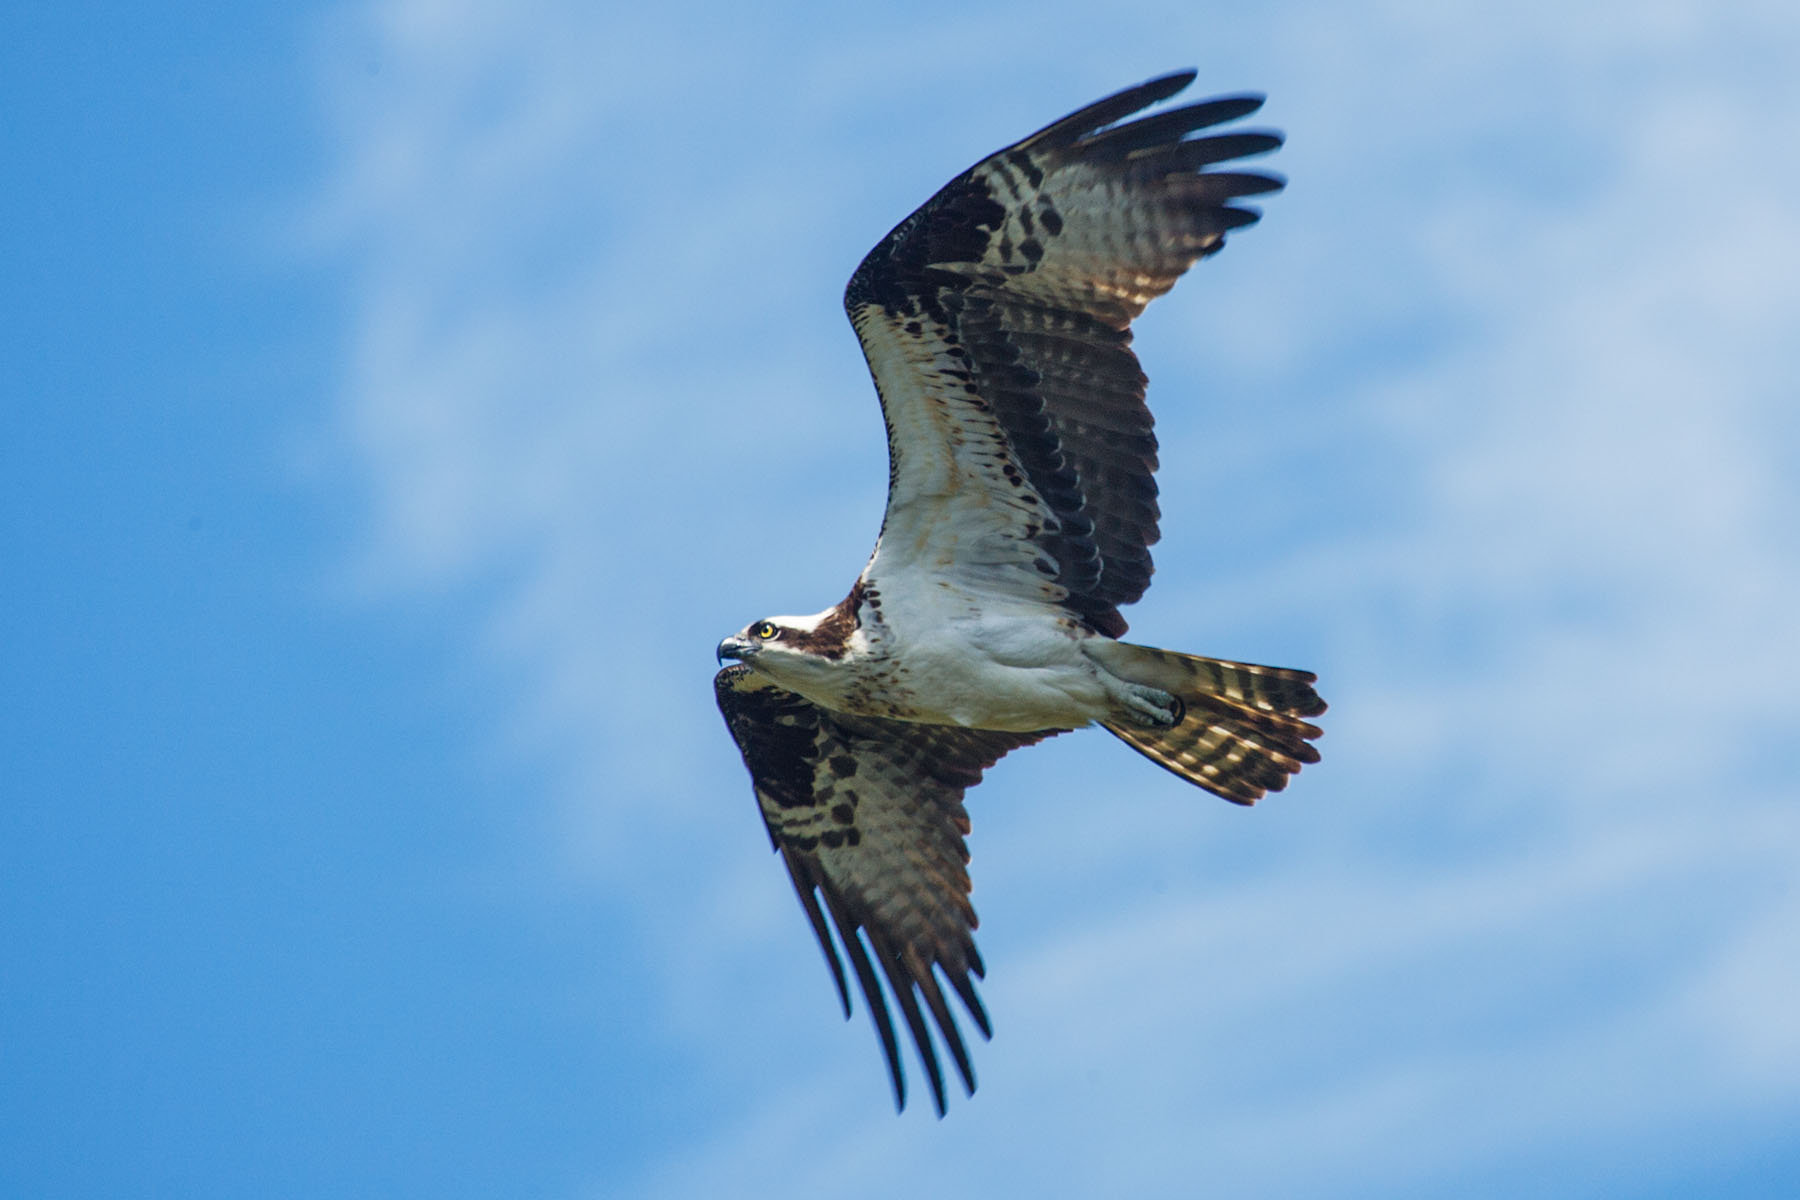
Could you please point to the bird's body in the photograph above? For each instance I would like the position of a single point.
(1021, 507)
(943, 655)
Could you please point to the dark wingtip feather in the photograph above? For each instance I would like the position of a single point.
(1237, 218)
(946, 1023)
(1151, 91)
(1245, 183)
(1161, 87)
(871, 990)
(1104, 112)
(972, 1002)
(1239, 104)
(1203, 152)
(809, 901)
(1153, 132)
(908, 999)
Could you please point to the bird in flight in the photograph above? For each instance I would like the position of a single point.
(1021, 508)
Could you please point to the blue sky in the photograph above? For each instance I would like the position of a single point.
(403, 398)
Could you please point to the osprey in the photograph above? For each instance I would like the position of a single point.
(1021, 508)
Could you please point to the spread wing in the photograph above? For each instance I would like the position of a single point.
(868, 816)
(996, 321)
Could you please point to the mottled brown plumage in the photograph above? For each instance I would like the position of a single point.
(1017, 284)
(1022, 506)
(868, 817)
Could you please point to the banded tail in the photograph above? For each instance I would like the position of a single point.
(1241, 734)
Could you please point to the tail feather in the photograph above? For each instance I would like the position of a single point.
(1241, 734)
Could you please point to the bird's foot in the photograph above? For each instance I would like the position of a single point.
(1151, 707)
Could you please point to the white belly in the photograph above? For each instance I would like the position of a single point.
(1018, 671)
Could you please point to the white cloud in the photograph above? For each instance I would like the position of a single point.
(1490, 424)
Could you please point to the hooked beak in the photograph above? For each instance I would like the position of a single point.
(734, 647)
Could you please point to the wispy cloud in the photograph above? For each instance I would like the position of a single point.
(1495, 416)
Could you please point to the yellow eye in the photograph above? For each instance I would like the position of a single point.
(766, 631)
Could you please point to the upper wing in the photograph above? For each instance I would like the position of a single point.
(996, 321)
(868, 814)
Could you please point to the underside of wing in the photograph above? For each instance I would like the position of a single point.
(996, 321)
(867, 815)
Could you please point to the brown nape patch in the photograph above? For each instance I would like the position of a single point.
(831, 639)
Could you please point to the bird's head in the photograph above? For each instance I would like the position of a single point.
(750, 642)
(793, 651)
